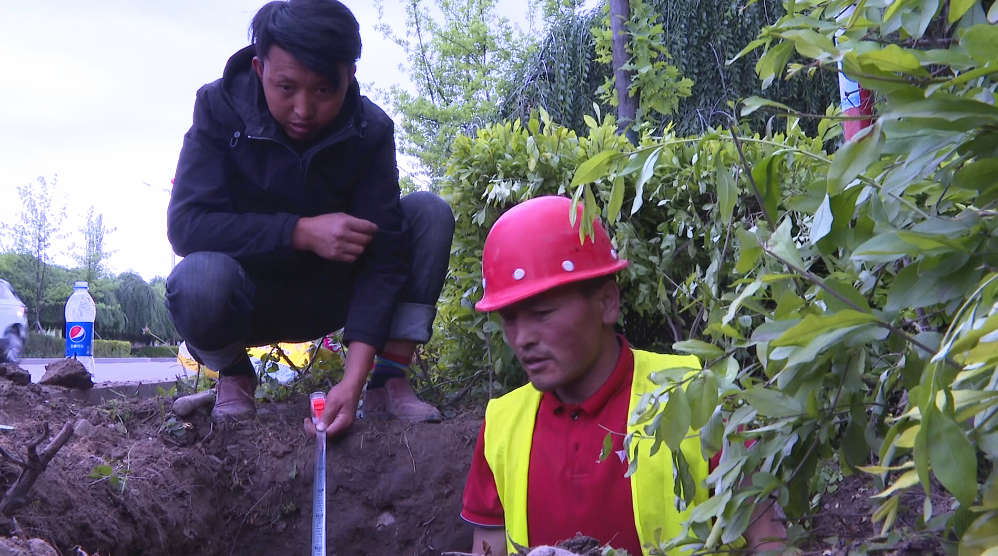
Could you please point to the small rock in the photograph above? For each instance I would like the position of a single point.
(41, 548)
(15, 374)
(384, 519)
(84, 429)
(69, 373)
(20, 547)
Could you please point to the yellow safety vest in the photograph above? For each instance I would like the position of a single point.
(509, 433)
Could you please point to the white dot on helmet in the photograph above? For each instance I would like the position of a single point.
(483, 283)
(569, 266)
(613, 254)
(519, 273)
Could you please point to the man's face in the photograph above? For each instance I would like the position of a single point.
(557, 335)
(303, 102)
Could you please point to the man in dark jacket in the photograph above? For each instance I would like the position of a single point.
(286, 208)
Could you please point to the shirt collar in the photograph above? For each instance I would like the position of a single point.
(621, 377)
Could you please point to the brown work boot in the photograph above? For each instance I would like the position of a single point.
(398, 400)
(235, 398)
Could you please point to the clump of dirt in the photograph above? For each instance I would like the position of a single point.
(69, 373)
(15, 374)
(138, 480)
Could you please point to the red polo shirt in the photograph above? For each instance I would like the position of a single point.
(569, 490)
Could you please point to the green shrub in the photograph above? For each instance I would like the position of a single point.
(44, 346)
(112, 348)
(155, 351)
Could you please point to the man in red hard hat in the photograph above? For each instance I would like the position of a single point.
(536, 477)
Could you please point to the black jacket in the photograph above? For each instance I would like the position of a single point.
(241, 185)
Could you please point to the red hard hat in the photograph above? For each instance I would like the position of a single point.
(533, 248)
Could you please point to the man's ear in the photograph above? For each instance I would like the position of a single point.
(351, 75)
(609, 298)
(258, 67)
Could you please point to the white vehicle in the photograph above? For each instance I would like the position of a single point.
(13, 324)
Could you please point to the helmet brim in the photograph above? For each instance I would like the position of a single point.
(515, 294)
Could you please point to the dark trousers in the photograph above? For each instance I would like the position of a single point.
(221, 306)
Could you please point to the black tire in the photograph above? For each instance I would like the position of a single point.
(13, 346)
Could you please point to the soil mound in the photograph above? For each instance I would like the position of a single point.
(142, 481)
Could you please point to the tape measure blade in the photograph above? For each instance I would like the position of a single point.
(319, 498)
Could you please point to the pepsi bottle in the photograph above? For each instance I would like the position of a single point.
(80, 314)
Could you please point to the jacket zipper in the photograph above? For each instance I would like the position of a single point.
(305, 155)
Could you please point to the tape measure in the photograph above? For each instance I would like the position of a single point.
(318, 403)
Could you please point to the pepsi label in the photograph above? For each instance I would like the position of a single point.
(79, 339)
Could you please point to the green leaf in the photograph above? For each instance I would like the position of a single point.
(101, 471)
(754, 103)
(703, 396)
(783, 246)
(957, 8)
(765, 178)
(647, 171)
(727, 192)
(772, 63)
(616, 199)
(813, 326)
(906, 480)
(893, 59)
(952, 457)
(749, 251)
(883, 248)
(854, 158)
(966, 112)
(979, 175)
(908, 290)
(809, 43)
(676, 418)
(823, 219)
(892, 16)
(981, 537)
(772, 403)
(711, 508)
(607, 447)
(594, 168)
(701, 349)
(846, 290)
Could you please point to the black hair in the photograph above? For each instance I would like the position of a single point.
(592, 285)
(321, 34)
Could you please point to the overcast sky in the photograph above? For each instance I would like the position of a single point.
(101, 93)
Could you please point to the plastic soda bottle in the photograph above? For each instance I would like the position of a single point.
(81, 312)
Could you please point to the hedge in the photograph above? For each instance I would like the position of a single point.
(155, 351)
(112, 348)
(47, 347)
(44, 346)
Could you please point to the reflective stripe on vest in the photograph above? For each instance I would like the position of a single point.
(509, 432)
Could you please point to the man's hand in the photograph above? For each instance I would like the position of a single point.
(341, 401)
(340, 410)
(337, 236)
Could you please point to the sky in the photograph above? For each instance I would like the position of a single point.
(100, 93)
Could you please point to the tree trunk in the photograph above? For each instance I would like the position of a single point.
(627, 105)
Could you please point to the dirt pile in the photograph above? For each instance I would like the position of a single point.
(69, 373)
(135, 479)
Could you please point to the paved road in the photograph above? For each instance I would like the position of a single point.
(118, 370)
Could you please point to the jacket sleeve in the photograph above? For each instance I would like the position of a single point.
(384, 267)
(200, 217)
